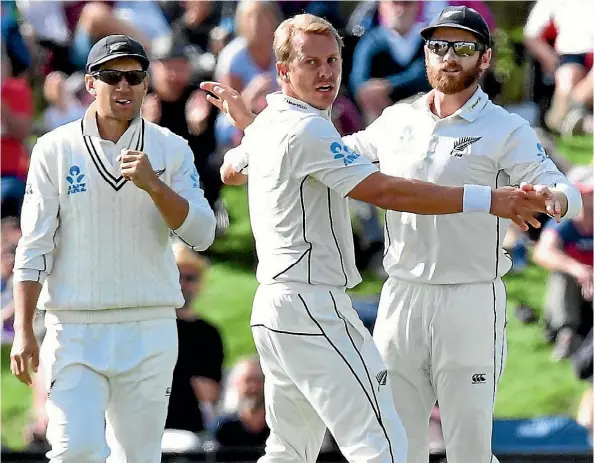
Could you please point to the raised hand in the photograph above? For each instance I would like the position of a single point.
(229, 101)
(136, 167)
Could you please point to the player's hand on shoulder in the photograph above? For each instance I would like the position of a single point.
(518, 205)
(136, 167)
(24, 355)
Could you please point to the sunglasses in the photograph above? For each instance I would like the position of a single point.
(461, 49)
(113, 77)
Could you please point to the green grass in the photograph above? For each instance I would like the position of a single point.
(532, 383)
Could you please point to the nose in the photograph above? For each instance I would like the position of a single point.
(450, 55)
(325, 71)
(122, 85)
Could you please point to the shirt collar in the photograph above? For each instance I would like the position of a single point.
(469, 111)
(279, 100)
(90, 129)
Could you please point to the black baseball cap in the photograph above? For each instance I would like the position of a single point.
(116, 46)
(461, 17)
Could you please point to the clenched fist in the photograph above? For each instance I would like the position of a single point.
(136, 167)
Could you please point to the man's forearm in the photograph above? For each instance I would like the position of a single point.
(424, 198)
(173, 208)
(405, 195)
(26, 295)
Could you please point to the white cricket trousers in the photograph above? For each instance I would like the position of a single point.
(444, 342)
(109, 387)
(322, 370)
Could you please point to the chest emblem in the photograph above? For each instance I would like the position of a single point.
(461, 145)
(75, 181)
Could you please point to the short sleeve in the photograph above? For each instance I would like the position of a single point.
(317, 150)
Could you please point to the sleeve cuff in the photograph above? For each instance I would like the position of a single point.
(198, 230)
(28, 274)
(574, 199)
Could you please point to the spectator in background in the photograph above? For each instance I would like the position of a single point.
(175, 102)
(248, 63)
(566, 249)
(14, 45)
(16, 115)
(196, 386)
(245, 380)
(68, 29)
(389, 61)
(195, 27)
(63, 106)
(246, 428)
(6, 268)
(569, 25)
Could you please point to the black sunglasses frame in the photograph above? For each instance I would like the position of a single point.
(478, 47)
(135, 77)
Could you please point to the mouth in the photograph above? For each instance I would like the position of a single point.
(122, 102)
(325, 88)
(450, 71)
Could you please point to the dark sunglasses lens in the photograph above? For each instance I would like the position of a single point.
(110, 77)
(114, 77)
(135, 77)
(464, 48)
(439, 47)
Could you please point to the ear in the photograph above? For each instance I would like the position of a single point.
(90, 84)
(486, 59)
(282, 69)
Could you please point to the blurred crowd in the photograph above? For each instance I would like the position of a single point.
(44, 49)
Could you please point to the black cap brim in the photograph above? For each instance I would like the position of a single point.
(144, 62)
(428, 31)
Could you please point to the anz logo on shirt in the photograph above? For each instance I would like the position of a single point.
(75, 180)
(343, 152)
(541, 152)
(194, 178)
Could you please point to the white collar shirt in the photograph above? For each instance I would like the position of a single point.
(482, 144)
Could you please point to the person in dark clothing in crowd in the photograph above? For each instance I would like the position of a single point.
(177, 103)
(196, 385)
(389, 61)
(246, 428)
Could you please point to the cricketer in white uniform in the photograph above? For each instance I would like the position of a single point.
(442, 315)
(103, 194)
(321, 366)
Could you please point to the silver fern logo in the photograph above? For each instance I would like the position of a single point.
(382, 377)
(461, 144)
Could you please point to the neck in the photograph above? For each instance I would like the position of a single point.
(111, 129)
(445, 105)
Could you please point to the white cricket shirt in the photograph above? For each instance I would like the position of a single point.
(480, 144)
(299, 175)
(95, 240)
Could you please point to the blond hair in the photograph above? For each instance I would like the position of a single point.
(306, 23)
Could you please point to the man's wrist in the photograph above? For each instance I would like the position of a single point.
(247, 121)
(477, 198)
(155, 188)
